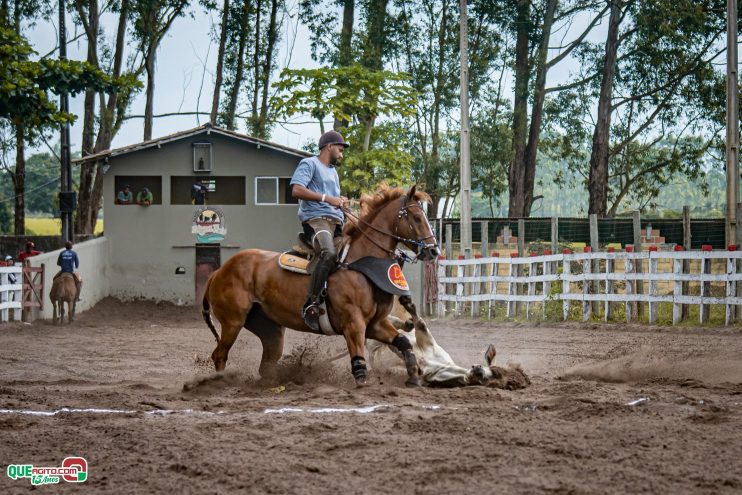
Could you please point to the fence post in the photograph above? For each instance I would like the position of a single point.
(629, 269)
(554, 234)
(677, 270)
(609, 270)
(521, 237)
(652, 287)
(586, 272)
(546, 286)
(441, 305)
(484, 247)
(532, 272)
(731, 288)
(638, 265)
(738, 309)
(566, 270)
(685, 308)
(459, 288)
(705, 286)
(492, 291)
(3, 296)
(595, 263)
(449, 242)
(476, 287)
(512, 289)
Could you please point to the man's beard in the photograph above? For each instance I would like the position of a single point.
(335, 162)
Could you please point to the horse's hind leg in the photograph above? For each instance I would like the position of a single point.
(270, 334)
(230, 330)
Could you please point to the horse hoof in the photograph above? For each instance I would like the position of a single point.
(361, 381)
(413, 381)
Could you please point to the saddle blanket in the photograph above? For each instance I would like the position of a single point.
(386, 274)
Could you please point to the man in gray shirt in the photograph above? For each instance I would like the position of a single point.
(317, 185)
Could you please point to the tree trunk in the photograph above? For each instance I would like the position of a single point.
(373, 50)
(220, 64)
(538, 109)
(345, 53)
(598, 180)
(516, 176)
(19, 183)
(267, 69)
(234, 91)
(256, 68)
(91, 28)
(149, 67)
(89, 200)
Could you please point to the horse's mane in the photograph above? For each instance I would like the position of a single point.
(372, 204)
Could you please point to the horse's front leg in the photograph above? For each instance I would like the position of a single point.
(384, 331)
(354, 330)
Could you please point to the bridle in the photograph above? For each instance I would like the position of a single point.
(415, 244)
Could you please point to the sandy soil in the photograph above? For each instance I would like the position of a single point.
(611, 409)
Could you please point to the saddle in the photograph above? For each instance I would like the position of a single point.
(302, 257)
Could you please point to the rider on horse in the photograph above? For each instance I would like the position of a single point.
(317, 185)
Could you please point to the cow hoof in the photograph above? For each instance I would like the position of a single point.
(413, 381)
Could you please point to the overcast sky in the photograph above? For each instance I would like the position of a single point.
(184, 79)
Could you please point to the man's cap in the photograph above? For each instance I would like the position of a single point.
(30, 244)
(8, 257)
(332, 137)
(127, 186)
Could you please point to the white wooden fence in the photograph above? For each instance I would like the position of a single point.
(476, 286)
(10, 293)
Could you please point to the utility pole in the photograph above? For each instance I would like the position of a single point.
(732, 145)
(465, 166)
(66, 195)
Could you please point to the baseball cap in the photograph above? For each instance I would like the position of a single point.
(331, 137)
(8, 257)
(30, 244)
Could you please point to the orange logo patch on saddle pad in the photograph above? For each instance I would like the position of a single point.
(293, 263)
(396, 277)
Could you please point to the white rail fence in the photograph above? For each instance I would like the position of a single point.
(11, 287)
(601, 284)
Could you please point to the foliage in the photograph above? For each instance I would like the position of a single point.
(319, 93)
(385, 161)
(25, 84)
(352, 94)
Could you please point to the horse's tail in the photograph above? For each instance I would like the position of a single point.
(206, 312)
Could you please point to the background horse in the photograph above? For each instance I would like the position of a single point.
(251, 290)
(63, 290)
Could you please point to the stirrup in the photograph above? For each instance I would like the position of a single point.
(310, 314)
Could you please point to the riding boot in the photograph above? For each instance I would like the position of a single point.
(321, 272)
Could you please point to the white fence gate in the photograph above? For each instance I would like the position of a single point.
(10, 293)
(681, 278)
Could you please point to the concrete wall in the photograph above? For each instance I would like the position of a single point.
(149, 243)
(94, 267)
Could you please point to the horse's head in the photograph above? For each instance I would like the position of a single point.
(413, 227)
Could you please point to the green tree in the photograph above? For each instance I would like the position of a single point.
(26, 105)
(352, 94)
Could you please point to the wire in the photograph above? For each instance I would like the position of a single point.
(25, 193)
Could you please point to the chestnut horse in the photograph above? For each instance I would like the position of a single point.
(63, 290)
(251, 290)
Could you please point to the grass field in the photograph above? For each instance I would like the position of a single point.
(51, 226)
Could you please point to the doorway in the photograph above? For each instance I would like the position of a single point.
(208, 259)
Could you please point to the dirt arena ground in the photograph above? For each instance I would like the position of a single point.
(611, 409)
